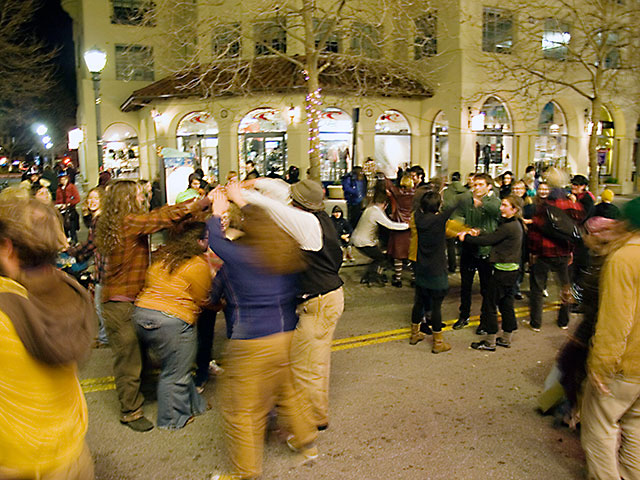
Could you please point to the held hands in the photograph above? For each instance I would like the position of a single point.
(474, 232)
(234, 193)
(220, 204)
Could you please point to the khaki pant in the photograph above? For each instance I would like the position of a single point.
(610, 431)
(79, 469)
(311, 350)
(257, 376)
(127, 359)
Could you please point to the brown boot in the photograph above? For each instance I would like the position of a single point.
(439, 345)
(416, 334)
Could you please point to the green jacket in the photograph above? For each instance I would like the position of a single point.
(452, 194)
(484, 217)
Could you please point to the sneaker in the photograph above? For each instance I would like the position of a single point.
(215, 369)
(461, 323)
(481, 331)
(545, 293)
(309, 452)
(501, 342)
(483, 345)
(563, 327)
(396, 283)
(518, 296)
(532, 327)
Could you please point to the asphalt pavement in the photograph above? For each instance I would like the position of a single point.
(397, 411)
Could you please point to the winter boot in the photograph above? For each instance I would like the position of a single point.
(439, 345)
(416, 334)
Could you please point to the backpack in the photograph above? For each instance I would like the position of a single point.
(559, 226)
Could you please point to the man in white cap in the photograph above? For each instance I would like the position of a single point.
(321, 296)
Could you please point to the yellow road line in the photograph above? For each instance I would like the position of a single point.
(101, 384)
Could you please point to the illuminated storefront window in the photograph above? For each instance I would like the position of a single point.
(440, 146)
(494, 144)
(262, 137)
(551, 142)
(392, 142)
(335, 132)
(198, 134)
(120, 151)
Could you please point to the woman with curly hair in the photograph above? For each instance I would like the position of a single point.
(176, 288)
(122, 239)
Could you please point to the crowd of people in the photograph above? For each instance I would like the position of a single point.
(266, 252)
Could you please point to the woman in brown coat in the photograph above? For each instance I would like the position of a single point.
(398, 246)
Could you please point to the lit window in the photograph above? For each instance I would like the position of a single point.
(497, 30)
(555, 39)
(333, 43)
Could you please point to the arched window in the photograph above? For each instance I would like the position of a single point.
(335, 134)
(392, 142)
(440, 146)
(120, 151)
(551, 142)
(494, 144)
(197, 134)
(604, 143)
(262, 135)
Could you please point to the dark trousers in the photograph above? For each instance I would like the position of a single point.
(469, 264)
(451, 254)
(205, 328)
(502, 289)
(375, 254)
(353, 214)
(433, 298)
(538, 279)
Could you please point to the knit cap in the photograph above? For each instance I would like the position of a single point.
(631, 213)
(607, 195)
(309, 194)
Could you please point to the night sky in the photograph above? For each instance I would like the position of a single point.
(54, 27)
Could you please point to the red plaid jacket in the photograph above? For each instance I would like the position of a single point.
(543, 246)
(126, 267)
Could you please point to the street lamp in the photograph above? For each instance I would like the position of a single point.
(95, 59)
(46, 139)
(41, 130)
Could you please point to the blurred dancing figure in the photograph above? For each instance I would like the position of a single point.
(610, 426)
(258, 280)
(47, 323)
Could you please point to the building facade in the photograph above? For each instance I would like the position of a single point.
(460, 119)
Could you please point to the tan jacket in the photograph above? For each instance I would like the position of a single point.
(615, 347)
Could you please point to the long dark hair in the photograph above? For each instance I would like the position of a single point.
(182, 245)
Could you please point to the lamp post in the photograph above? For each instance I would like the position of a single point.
(95, 59)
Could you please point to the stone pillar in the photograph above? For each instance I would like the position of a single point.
(227, 147)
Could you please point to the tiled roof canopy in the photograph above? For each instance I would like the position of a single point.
(341, 74)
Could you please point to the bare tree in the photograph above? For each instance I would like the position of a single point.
(589, 47)
(381, 48)
(26, 72)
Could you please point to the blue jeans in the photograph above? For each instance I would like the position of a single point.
(97, 299)
(174, 342)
